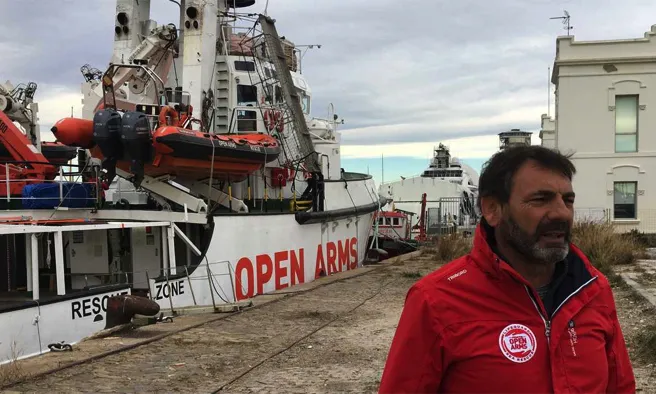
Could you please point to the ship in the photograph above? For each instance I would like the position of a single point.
(212, 121)
(451, 189)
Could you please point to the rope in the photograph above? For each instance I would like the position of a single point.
(60, 347)
(211, 278)
(209, 185)
(38, 324)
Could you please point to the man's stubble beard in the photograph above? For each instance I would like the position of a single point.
(527, 244)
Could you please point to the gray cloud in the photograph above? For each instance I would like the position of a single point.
(396, 71)
(58, 37)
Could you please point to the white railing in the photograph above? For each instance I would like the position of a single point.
(208, 278)
(59, 180)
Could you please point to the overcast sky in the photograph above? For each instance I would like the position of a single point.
(404, 75)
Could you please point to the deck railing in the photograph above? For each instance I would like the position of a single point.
(65, 179)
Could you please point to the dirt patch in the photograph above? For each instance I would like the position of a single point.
(636, 315)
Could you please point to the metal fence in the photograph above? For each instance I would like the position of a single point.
(643, 221)
(450, 215)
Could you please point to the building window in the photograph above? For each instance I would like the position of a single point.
(626, 123)
(625, 200)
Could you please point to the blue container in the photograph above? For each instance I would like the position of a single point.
(46, 195)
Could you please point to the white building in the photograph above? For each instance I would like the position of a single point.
(606, 117)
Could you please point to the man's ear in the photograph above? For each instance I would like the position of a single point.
(491, 210)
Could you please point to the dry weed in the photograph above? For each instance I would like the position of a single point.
(12, 371)
(644, 344)
(451, 246)
(604, 247)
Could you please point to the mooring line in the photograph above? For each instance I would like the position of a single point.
(251, 369)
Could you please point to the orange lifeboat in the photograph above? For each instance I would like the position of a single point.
(188, 153)
(176, 151)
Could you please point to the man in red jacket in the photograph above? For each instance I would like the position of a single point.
(524, 311)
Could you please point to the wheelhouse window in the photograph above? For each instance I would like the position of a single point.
(246, 94)
(305, 101)
(444, 173)
(625, 200)
(241, 65)
(246, 120)
(626, 123)
(246, 97)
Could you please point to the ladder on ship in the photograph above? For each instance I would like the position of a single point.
(291, 98)
(222, 118)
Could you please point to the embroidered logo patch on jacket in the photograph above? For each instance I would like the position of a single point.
(518, 343)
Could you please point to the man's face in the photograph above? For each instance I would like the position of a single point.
(537, 220)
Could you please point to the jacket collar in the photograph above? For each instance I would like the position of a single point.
(490, 260)
(573, 277)
(482, 252)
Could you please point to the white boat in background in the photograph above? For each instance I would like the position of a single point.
(451, 189)
(202, 238)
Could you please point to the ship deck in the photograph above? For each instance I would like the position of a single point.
(105, 214)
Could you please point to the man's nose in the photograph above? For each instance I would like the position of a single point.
(560, 210)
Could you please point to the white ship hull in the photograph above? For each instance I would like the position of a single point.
(246, 255)
(407, 194)
(248, 261)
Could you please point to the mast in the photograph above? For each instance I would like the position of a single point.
(131, 23)
(200, 23)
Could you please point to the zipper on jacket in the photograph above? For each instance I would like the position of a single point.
(573, 294)
(547, 322)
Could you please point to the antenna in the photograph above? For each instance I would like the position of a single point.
(302, 53)
(565, 19)
(382, 168)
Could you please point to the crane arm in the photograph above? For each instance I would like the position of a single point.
(159, 40)
(21, 148)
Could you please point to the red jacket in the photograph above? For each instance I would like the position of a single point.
(476, 326)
